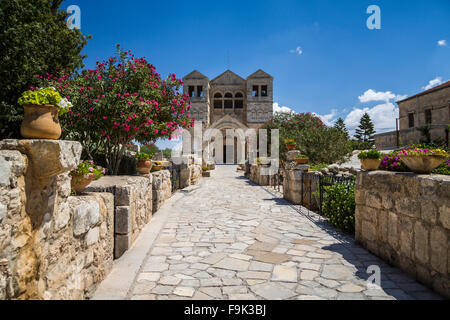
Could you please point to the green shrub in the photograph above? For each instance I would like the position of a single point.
(339, 206)
(318, 166)
(373, 153)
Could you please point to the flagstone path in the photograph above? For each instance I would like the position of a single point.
(231, 239)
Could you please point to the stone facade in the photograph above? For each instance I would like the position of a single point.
(52, 245)
(228, 102)
(431, 106)
(132, 206)
(405, 219)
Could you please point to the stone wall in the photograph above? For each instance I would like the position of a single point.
(162, 188)
(132, 206)
(299, 188)
(52, 245)
(405, 219)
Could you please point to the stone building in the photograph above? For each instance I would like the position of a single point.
(428, 107)
(230, 102)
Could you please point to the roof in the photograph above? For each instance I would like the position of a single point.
(439, 87)
(260, 74)
(228, 76)
(195, 75)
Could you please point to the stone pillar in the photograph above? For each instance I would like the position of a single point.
(294, 183)
(162, 188)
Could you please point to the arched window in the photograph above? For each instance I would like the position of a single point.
(238, 101)
(218, 101)
(228, 101)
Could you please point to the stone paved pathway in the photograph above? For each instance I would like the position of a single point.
(231, 239)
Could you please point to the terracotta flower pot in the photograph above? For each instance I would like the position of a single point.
(157, 168)
(301, 160)
(144, 166)
(290, 146)
(422, 164)
(79, 182)
(40, 122)
(370, 164)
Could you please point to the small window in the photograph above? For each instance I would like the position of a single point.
(264, 91)
(191, 91)
(255, 91)
(200, 91)
(411, 120)
(239, 101)
(218, 101)
(228, 95)
(428, 118)
(228, 104)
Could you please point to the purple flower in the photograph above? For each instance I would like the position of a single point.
(91, 169)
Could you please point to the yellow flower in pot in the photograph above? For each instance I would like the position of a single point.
(290, 144)
(371, 159)
(41, 110)
(157, 166)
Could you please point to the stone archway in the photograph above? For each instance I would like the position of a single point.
(234, 146)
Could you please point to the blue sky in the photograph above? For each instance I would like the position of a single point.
(340, 60)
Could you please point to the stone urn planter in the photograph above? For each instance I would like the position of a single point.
(301, 160)
(206, 174)
(80, 182)
(370, 164)
(40, 122)
(290, 146)
(144, 166)
(157, 167)
(422, 164)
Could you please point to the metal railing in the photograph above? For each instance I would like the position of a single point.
(313, 188)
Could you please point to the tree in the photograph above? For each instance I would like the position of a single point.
(313, 138)
(365, 131)
(340, 125)
(122, 100)
(34, 39)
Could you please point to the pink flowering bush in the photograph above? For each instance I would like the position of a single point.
(122, 100)
(87, 168)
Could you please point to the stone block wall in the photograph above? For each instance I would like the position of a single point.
(52, 245)
(256, 176)
(299, 188)
(132, 206)
(405, 219)
(162, 188)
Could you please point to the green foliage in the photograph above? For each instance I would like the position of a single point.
(167, 153)
(45, 96)
(150, 149)
(365, 131)
(373, 153)
(313, 138)
(143, 156)
(318, 166)
(34, 40)
(444, 168)
(339, 206)
(301, 156)
(340, 125)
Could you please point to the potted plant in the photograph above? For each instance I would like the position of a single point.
(157, 166)
(290, 144)
(86, 172)
(301, 159)
(41, 110)
(371, 159)
(205, 171)
(144, 162)
(262, 161)
(422, 160)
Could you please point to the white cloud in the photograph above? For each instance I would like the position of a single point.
(328, 119)
(433, 83)
(372, 95)
(383, 117)
(442, 43)
(297, 50)
(277, 108)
